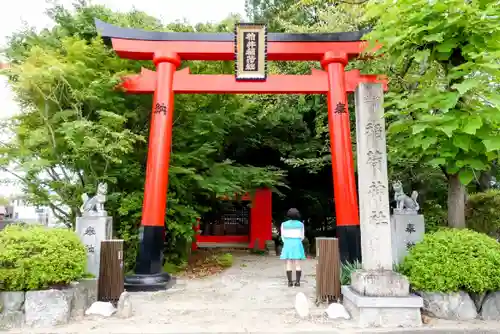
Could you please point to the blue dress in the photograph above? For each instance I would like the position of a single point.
(292, 244)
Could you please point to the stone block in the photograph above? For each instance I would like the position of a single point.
(302, 305)
(90, 285)
(124, 307)
(12, 300)
(48, 307)
(380, 283)
(81, 300)
(451, 306)
(11, 309)
(92, 230)
(382, 311)
(490, 309)
(406, 231)
(11, 319)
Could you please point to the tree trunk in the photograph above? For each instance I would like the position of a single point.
(456, 202)
(484, 182)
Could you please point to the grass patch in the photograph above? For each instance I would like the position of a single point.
(258, 252)
(202, 263)
(224, 260)
(174, 268)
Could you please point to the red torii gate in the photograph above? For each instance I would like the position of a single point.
(167, 49)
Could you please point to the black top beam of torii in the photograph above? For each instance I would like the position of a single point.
(109, 31)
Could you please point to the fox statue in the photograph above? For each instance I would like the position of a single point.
(93, 205)
(403, 201)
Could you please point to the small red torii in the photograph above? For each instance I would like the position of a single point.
(168, 49)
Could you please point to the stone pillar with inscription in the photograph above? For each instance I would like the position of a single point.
(377, 296)
(94, 226)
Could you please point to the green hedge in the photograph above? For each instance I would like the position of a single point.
(36, 257)
(451, 260)
(483, 212)
(436, 216)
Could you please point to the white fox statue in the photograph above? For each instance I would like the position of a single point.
(403, 201)
(95, 205)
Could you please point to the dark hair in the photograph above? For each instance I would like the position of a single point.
(293, 214)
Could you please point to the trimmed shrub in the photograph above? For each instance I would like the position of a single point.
(451, 260)
(36, 258)
(483, 212)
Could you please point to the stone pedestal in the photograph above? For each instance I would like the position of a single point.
(92, 230)
(369, 311)
(377, 296)
(406, 231)
(384, 283)
(381, 298)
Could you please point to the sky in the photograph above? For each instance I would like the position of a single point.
(31, 12)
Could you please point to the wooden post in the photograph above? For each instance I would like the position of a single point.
(111, 273)
(327, 270)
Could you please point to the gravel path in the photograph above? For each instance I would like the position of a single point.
(251, 296)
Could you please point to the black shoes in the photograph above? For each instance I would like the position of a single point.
(298, 273)
(289, 277)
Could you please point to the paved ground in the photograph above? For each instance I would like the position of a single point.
(250, 297)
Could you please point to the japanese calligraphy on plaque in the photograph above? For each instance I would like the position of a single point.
(251, 51)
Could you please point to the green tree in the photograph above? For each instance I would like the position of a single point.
(76, 129)
(447, 110)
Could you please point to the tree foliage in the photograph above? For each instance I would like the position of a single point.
(482, 212)
(447, 112)
(76, 129)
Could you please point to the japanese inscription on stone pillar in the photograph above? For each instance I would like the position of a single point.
(250, 47)
(92, 230)
(372, 173)
(89, 236)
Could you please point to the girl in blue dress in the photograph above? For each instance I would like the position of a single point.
(292, 234)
